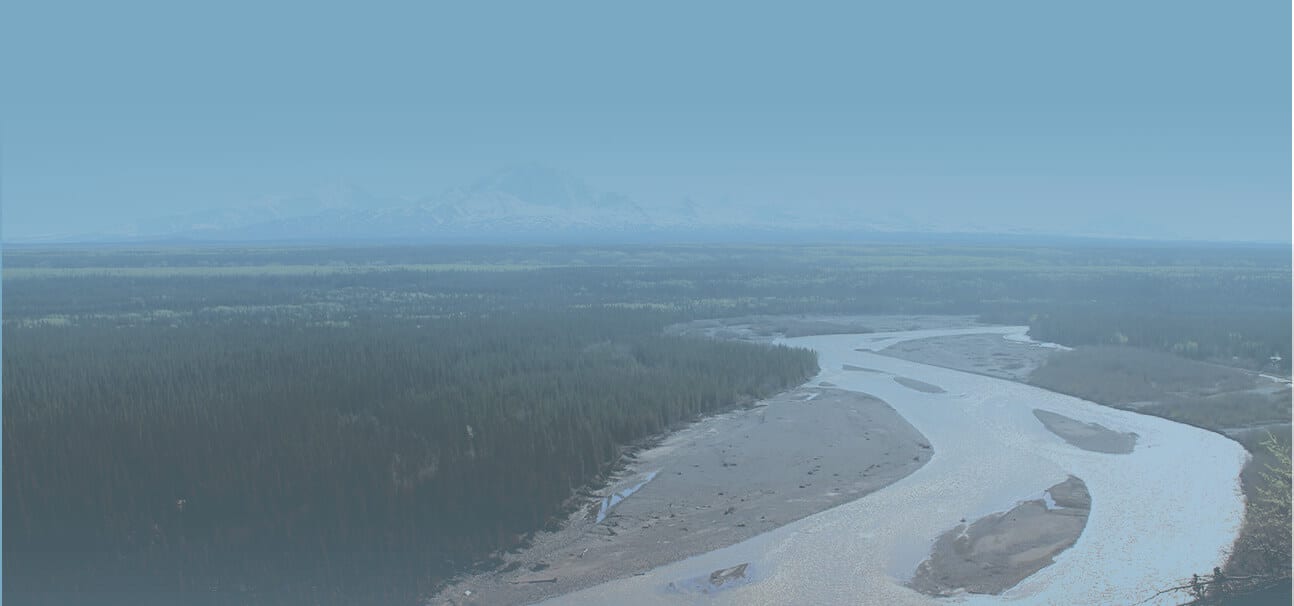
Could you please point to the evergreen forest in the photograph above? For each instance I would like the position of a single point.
(355, 425)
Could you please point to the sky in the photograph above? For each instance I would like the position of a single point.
(1171, 115)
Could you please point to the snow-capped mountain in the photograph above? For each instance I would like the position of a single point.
(516, 200)
(520, 201)
(533, 196)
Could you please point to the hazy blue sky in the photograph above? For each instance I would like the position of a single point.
(1172, 114)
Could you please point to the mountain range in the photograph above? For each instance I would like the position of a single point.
(525, 202)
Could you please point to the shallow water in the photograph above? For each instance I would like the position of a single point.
(1169, 509)
(609, 503)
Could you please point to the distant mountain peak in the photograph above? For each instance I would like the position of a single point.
(528, 199)
(536, 184)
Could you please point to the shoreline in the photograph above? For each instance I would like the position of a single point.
(992, 453)
(712, 484)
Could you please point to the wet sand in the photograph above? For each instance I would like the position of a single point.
(996, 552)
(711, 485)
(909, 383)
(859, 368)
(1088, 436)
(920, 386)
(991, 454)
(981, 354)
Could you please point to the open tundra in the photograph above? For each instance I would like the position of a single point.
(1169, 508)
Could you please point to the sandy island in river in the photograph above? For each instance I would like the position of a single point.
(1088, 436)
(715, 483)
(991, 455)
(725, 482)
(995, 552)
(981, 354)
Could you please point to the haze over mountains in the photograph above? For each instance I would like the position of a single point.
(532, 201)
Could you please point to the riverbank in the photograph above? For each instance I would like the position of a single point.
(713, 484)
(1169, 508)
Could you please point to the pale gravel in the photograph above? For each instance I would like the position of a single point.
(1169, 509)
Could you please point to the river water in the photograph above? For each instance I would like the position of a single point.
(1169, 509)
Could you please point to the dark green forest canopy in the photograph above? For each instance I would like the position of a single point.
(224, 454)
(1229, 304)
(365, 421)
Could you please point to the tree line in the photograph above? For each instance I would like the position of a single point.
(284, 463)
(316, 436)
